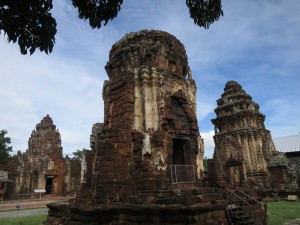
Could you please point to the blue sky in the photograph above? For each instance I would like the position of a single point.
(256, 43)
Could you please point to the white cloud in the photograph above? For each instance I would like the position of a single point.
(204, 109)
(283, 116)
(255, 43)
(34, 86)
(209, 144)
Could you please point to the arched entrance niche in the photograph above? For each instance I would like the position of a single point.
(234, 170)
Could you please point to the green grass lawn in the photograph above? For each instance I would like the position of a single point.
(283, 211)
(27, 220)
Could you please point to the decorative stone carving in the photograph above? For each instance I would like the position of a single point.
(243, 145)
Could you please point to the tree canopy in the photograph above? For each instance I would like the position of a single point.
(78, 153)
(4, 149)
(30, 22)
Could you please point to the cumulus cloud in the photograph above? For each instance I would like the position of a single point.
(209, 144)
(34, 86)
(255, 43)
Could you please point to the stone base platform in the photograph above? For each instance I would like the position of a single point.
(133, 214)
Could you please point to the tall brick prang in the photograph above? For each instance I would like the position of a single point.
(150, 118)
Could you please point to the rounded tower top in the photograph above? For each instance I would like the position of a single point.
(149, 48)
(235, 104)
(231, 84)
(234, 95)
(233, 87)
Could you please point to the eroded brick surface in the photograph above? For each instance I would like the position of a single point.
(149, 101)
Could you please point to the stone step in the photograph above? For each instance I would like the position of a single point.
(236, 212)
(246, 221)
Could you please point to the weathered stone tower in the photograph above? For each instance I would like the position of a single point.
(45, 157)
(243, 144)
(42, 166)
(150, 123)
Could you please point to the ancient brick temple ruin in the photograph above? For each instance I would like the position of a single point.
(150, 119)
(148, 154)
(244, 150)
(42, 166)
(243, 144)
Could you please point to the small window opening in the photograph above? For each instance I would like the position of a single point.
(172, 66)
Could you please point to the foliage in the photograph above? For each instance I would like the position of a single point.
(30, 22)
(28, 220)
(97, 11)
(205, 163)
(205, 12)
(282, 211)
(78, 153)
(4, 149)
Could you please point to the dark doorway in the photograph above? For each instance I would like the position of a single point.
(35, 180)
(49, 184)
(178, 151)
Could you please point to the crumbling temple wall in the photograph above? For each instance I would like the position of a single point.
(71, 175)
(92, 159)
(86, 170)
(284, 173)
(243, 145)
(18, 169)
(135, 214)
(12, 168)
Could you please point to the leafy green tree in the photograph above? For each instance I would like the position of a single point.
(205, 12)
(78, 153)
(4, 149)
(30, 22)
(205, 163)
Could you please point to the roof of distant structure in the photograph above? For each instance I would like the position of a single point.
(287, 144)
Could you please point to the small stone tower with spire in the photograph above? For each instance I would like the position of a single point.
(46, 163)
(243, 146)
